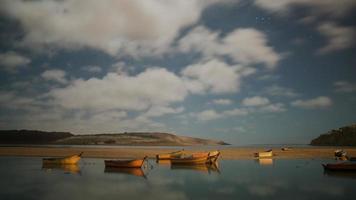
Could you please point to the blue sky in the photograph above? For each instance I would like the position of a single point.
(246, 72)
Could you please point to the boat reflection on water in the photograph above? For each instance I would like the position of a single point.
(122, 170)
(340, 174)
(265, 161)
(208, 168)
(68, 168)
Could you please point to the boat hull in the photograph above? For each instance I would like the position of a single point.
(340, 167)
(266, 154)
(70, 160)
(189, 160)
(168, 156)
(135, 163)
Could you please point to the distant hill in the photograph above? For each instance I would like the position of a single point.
(345, 136)
(135, 138)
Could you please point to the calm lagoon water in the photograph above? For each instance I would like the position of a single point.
(25, 178)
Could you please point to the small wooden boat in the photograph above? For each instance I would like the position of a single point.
(121, 170)
(191, 160)
(264, 154)
(125, 163)
(344, 166)
(63, 160)
(286, 148)
(168, 156)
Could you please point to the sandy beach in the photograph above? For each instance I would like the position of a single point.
(230, 153)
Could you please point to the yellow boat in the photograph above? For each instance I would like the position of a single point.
(212, 156)
(264, 154)
(168, 156)
(63, 160)
(191, 160)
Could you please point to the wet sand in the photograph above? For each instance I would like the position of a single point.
(230, 153)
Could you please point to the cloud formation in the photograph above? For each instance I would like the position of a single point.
(129, 27)
(12, 61)
(315, 103)
(244, 45)
(318, 7)
(339, 37)
(345, 86)
(155, 86)
(255, 101)
(55, 75)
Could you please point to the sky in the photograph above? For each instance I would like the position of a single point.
(246, 72)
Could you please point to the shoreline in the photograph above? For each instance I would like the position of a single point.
(232, 153)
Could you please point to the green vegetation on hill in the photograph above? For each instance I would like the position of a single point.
(345, 136)
(135, 138)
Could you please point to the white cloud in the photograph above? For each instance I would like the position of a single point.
(155, 86)
(318, 102)
(235, 112)
(339, 37)
(214, 76)
(277, 107)
(244, 45)
(117, 27)
(222, 101)
(157, 111)
(255, 101)
(12, 61)
(276, 90)
(92, 69)
(55, 75)
(344, 86)
(207, 115)
(319, 7)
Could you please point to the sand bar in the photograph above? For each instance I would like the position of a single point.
(231, 153)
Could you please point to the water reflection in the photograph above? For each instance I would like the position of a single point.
(238, 179)
(340, 174)
(208, 168)
(69, 168)
(265, 161)
(131, 171)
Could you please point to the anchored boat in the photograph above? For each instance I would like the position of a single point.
(264, 154)
(168, 156)
(197, 158)
(63, 160)
(125, 163)
(344, 166)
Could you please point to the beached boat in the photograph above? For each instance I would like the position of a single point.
(264, 154)
(344, 166)
(125, 163)
(286, 148)
(63, 160)
(168, 156)
(197, 158)
(190, 160)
